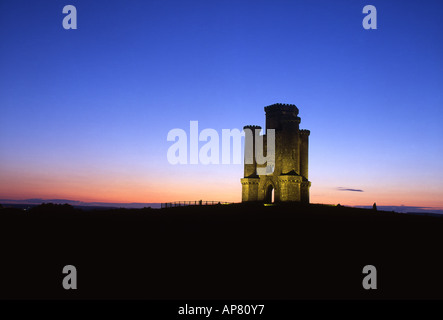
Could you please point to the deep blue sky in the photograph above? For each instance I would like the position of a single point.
(85, 113)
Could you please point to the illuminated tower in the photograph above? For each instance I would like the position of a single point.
(287, 177)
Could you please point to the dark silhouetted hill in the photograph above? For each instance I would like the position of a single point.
(220, 252)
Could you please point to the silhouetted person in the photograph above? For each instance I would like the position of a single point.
(374, 206)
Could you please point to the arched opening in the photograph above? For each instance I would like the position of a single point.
(269, 198)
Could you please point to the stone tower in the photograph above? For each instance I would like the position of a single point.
(288, 176)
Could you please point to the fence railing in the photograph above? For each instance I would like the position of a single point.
(192, 203)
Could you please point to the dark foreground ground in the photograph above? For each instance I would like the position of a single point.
(220, 252)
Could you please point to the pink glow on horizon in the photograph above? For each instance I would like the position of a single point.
(127, 189)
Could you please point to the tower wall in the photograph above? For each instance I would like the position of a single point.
(289, 188)
(304, 150)
(304, 191)
(290, 176)
(283, 118)
(250, 189)
(250, 169)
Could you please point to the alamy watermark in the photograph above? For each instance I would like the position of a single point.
(370, 20)
(70, 280)
(70, 21)
(210, 152)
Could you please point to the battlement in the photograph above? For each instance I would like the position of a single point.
(281, 107)
(304, 132)
(251, 127)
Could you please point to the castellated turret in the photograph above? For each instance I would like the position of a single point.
(287, 174)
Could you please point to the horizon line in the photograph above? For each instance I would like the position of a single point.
(36, 201)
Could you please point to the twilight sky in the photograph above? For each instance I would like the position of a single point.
(84, 114)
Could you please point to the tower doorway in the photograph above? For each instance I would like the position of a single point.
(269, 196)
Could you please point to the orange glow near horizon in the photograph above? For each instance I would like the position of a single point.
(129, 188)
